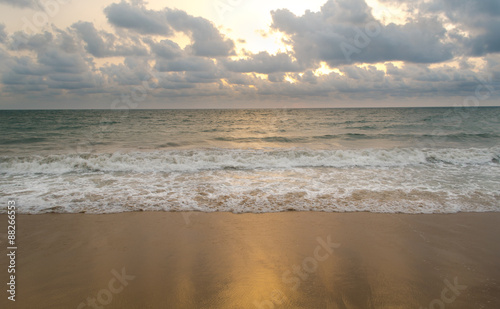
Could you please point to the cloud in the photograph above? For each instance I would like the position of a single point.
(21, 41)
(95, 44)
(185, 64)
(60, 64)
(486, 42)
(207, 40)
(480, 19)
(458, 10)
(21, 3)
(133, 71)
(103, 44)
(137, 18)
(239, 79)
(71, 81)
(16, 83)
(166, 49)
(26, 66)
(264, 63)
(3, 34)
(353, 12)
(66, 41)
(345, 32)
(22, 83)
(54, 67)
(166, 84)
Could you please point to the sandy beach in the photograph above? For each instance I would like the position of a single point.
(273, 260)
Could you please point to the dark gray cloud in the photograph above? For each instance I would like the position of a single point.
(239, 79)
(133, 71)
(479, 18)
(86, 80)
(55, 67)
(62, 62)
(137, 18)
(23, 71)
(167, 84)
(21, 83)
(276, 77)
(487, 42)
(165, 48)
(66, 41)
(345, 32)
(264, 63)
(26, 66)
(206, 39)
(185, 64)
(457, 10)
(22, 41)
(95, 43)
(204, 77)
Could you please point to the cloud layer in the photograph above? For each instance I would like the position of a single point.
(446, 48)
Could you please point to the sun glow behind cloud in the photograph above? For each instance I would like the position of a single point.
(324, 69)
(386, 13)
(251, 20)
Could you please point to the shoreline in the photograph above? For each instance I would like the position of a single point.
(189, 213)
(292, 259)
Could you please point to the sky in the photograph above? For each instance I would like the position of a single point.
(76, 54)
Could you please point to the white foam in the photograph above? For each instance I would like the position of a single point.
(213, 159)
(408, 189)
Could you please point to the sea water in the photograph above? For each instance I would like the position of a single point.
(410, 160)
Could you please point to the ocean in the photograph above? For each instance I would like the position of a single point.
(388, 160)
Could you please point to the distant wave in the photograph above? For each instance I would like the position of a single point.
(358, 136)
(28, 140)
(450, 136)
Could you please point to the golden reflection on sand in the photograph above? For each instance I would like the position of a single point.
(281, 260)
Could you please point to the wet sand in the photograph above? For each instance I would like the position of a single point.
(280, 260)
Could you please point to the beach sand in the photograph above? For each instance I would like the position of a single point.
(272, 260)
